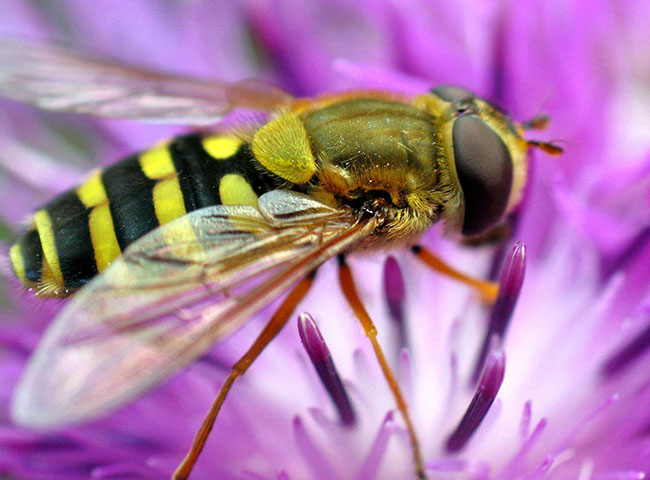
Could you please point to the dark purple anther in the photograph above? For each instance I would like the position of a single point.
(320, 357)
(626, 355)
(486, 391)
(395, 293)
(510, 282)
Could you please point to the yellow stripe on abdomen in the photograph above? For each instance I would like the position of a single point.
(100, 222)
(17, 262)
(157, 163)
(91, 192)
(102, 234)
(235, 190)
(51, 266)
(168, 200)
(221, 148)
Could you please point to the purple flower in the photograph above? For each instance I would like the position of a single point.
(554, 387)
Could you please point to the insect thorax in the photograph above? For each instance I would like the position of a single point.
(383, 154)
(367, 153)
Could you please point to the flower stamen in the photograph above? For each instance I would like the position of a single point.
(321, 359)
(486, 392)
(395, 293)
(370, 467)
(510, 282)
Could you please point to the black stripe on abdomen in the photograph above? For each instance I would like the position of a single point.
(74, 246)
(260, 179)
(130, 197)
(198, 173)
(31, 252)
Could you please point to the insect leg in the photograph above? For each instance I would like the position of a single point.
(487, 289)
(351, 295)
(538, 122)
(272, 328)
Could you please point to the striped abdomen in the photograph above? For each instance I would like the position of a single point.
(80, 232)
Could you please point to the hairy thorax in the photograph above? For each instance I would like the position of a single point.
(383, 156)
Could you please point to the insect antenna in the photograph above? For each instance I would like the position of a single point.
(538, 122)
(541, 122)
(548, 147)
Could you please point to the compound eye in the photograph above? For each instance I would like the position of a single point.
(484, 169)
(452, 94)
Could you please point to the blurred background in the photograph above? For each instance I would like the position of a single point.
(586, 63)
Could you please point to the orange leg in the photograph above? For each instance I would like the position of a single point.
(487, 289)
(272, 328)
(351, 295)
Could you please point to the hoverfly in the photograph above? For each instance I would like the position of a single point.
(173, 248)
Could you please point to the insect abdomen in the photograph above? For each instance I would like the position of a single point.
(82, 231)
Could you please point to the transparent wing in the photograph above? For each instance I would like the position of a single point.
(55, 78)
(170, 297)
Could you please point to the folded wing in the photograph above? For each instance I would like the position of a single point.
(171, 296)
(55, 78)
